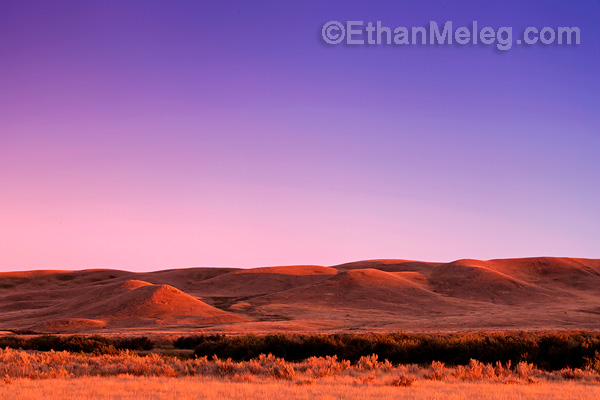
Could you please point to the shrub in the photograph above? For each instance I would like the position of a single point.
(402, 380)
(191, 342)
(76, 343)
(594, 363)
(550, 351)
(135, 343)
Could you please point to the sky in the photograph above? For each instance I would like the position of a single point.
(147, 135)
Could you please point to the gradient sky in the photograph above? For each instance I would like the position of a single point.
(146, 135)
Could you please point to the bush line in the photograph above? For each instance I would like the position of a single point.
(76, 343)
(549, 351)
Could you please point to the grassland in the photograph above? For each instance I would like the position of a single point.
(499, 329)
(520, 365)
(127, 375)
(155, 388)
(542, 293)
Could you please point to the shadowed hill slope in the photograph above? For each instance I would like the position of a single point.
(365, 289)
(260, 281)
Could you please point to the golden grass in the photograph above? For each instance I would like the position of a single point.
(15, 364)
(154, 388)
(62, 375)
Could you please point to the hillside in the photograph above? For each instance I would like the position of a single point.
(380, 295)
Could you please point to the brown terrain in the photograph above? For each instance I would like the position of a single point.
(376, 295)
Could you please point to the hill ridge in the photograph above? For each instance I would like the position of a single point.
(384, 294)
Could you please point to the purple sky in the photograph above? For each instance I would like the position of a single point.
(151, 134)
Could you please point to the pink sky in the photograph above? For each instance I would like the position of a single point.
(150, 137)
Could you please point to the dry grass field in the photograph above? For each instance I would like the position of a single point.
(160, 388)
(63, 375)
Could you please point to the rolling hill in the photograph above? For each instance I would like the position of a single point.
(378, 295)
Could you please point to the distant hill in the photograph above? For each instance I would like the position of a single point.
(371, 295)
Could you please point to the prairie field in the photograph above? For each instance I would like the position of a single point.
(497, 329)
(127, 375)
(155, 388)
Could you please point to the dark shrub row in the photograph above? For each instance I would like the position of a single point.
(134, 343)
(76, 344)
(549, 351)
(191, 342)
